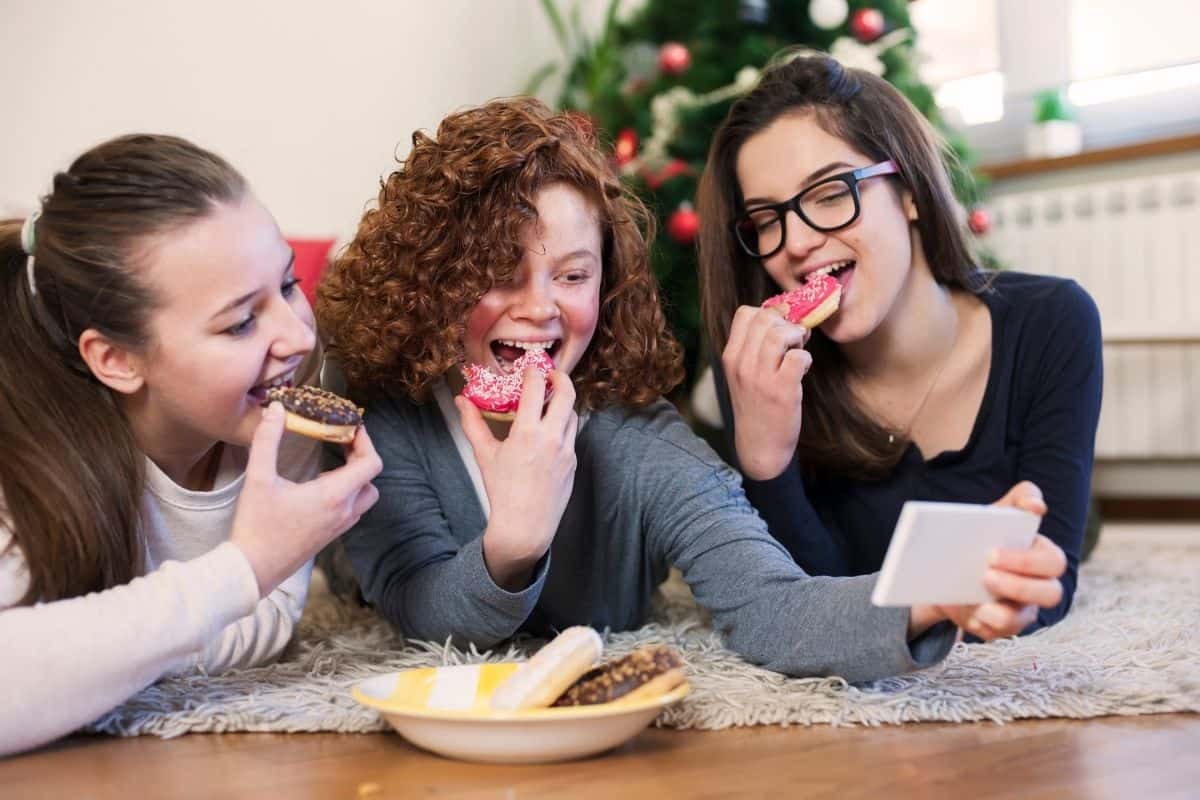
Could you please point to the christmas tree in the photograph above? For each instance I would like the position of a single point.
(659, 84)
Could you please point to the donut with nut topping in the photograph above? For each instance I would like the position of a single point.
(317, 413)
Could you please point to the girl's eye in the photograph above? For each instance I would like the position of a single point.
(289, 287)
(830, 197)
(576, 277)
(760, 220)
(241, 328)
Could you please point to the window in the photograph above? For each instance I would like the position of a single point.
(959, 56)
(1121, 49)
(1131, 69)
(1117, 37)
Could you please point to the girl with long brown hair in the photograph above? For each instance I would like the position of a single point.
(153, 520)
(508, 232)
(933, 381)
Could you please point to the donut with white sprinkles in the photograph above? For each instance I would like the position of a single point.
(498, 396)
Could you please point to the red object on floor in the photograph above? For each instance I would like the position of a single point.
(312, 256)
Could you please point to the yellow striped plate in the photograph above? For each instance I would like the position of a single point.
(446, 710)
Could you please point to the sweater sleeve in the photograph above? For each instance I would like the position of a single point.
(125, 638)
(783, 504)
(257, 638)
(408, 562)
(261, 636)
(1058, 444)
(767, 608)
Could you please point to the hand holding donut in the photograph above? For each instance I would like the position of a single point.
(528, 476)
(280, 524)
(765, 362)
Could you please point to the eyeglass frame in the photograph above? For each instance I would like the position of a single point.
(851, 178)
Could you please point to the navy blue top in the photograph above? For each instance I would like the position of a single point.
(1037, 422)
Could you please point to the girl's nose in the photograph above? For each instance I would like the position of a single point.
(537, 302)
(800, 238)
(294, 336)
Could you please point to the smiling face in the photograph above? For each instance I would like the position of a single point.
(553, 300)
(231, 319)
(872, 257)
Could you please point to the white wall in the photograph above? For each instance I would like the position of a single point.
(312, 101)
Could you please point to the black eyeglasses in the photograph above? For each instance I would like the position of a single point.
(827, 205)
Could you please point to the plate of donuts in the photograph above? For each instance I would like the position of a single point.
(559, 705)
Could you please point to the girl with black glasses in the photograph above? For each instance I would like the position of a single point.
(933, 381)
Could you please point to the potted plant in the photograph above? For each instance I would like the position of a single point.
(1054, 131)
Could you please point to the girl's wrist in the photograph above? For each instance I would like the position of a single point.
(259, 563)
(760, 466)
(921, 618)
(509, 570)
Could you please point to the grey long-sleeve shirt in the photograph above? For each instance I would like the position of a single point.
(648, 494)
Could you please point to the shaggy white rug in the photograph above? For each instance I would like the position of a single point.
(1129, 646)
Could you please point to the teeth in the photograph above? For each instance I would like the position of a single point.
(832, 267)
(827, 269)
(528, 346)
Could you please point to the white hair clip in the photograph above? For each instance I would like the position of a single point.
(27, 242)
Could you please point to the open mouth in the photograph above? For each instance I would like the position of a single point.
(507, 351)
(839, 271)
(259, 392)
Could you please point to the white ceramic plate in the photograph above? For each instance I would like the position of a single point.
(446, 710)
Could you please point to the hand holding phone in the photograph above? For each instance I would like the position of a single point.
(939, 552)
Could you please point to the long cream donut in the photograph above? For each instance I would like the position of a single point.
(539, 681)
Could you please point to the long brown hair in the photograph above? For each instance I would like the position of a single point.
(448, 226)
(869, 114)
(71, 474)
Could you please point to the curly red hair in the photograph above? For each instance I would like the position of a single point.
(448, 227)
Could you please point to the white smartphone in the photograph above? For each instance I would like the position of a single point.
(939, 552)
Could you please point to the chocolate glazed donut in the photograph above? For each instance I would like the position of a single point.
(317, 413)
(644, 673)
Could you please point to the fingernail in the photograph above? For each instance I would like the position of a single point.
(994, 558)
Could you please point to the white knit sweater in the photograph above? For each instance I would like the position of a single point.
(196, 608)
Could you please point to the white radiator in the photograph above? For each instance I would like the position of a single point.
(1134, 244)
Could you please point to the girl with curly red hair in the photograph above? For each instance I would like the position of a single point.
(509, 231)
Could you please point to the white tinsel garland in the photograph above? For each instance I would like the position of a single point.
(853, 53)
(666, 108)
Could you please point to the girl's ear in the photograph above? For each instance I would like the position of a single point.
(910, 208)
(116, 367)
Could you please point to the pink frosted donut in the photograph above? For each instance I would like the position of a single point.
(810, 303)
(497, 396)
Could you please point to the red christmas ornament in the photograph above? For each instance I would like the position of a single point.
(669, 170)
(979, 221)
(625, 147)
(684, 224)
(674, 58)
(867, 24)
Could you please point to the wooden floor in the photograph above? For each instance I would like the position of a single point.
(1151, 758)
